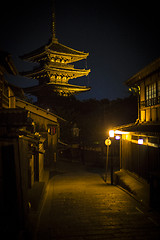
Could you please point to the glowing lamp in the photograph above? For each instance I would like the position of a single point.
(107, 142)
(120, 132)
(111, 133)
(117, 137)
(140, 141)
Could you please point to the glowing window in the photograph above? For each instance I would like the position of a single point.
(151, 94)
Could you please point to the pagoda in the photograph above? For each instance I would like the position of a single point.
(54, 69)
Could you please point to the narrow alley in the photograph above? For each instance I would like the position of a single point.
(78, 205)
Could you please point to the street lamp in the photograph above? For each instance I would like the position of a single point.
(111, 133)
(107, 143)
(117, 137)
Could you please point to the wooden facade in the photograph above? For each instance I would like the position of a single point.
(143, 156)
(147, 82)
(28, 144)
(140, 141)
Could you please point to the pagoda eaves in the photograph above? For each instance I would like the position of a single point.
(56, 52)
(61, 89)
(56, 73)
(54, 70)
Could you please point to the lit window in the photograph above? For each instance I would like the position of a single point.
(154, 90)
(151, 94)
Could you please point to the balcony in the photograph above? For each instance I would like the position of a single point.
(150, 102)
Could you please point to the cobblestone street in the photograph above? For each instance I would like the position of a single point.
(78, 205)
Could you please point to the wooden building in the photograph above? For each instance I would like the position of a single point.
(28, 145)
(147, 84)
(140, 141)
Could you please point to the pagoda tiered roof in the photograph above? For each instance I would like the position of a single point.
(54, 70)
(65, 72)
(55, 49)
(61, 88)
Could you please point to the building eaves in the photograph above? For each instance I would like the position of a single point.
(72, 72)
(70, 86)
(148, 128)
(145, 72)
(37, 110)
(52, 85)
(54, 47)
(57, 68)
(60, 48)
(33, 53)
(6, 63)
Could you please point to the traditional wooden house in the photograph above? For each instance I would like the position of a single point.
(28, 143)
(140, 141)
(29, 134)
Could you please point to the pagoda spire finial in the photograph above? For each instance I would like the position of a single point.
(53, 24)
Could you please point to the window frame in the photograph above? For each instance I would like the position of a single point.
(152, 93)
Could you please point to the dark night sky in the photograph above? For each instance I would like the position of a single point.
(121, 37)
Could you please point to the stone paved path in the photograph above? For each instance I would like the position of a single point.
(80, 206)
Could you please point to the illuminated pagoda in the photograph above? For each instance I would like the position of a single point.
(54, 69)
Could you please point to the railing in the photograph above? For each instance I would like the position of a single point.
(150, 102)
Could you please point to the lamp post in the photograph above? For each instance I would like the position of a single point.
(107, 143)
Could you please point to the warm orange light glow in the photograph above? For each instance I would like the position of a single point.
(120, 132)
(128, 137)
(107, 142)
(111, 133)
